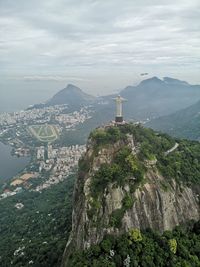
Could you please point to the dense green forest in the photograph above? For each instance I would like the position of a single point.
(177, 248)
(36, 235)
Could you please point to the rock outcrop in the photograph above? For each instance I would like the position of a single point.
(157, 202)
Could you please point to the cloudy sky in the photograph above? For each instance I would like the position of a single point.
(99, 45)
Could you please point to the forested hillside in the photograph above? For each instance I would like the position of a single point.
(177, 248)
(36, 234)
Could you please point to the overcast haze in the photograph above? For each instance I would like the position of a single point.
(98, 45)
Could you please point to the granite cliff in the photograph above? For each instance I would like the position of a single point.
(131, 177)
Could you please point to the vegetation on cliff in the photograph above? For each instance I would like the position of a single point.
(122, 184)
(174, 159)
(177, 248)
(182, 164)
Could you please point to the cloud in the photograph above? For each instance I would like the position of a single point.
(49, 38)
(52, 78)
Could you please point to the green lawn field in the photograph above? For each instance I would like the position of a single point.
(44, 133)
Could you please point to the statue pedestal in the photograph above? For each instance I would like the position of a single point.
(118, 119)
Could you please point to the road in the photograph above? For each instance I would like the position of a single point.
(171, 149)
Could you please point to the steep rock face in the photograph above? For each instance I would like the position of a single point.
(157, 203)
(159, 209)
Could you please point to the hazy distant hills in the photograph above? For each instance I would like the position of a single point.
(155, 97)
(151, 98)
(183, 123)
(71, 95)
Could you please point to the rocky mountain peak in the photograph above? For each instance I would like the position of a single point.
(72, 87)
(72, 96)
(127, 180)
(173, 81)
(153, 80)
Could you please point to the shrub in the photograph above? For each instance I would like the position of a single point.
(172, 245)
(135, 235)
(116, 218)
(127, 202)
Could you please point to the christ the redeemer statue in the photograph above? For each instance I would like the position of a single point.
(119, 100)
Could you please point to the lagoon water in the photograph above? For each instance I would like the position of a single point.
(10, 165)
(16, 95)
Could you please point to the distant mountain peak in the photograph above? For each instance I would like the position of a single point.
(71, 95)
(151, 80)
(154, 78)
(72, 87)
(170, 80)
(166, 80)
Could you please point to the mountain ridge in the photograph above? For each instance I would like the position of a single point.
(154, 97)
(127, 180)
(183, 123)
(149, 99)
